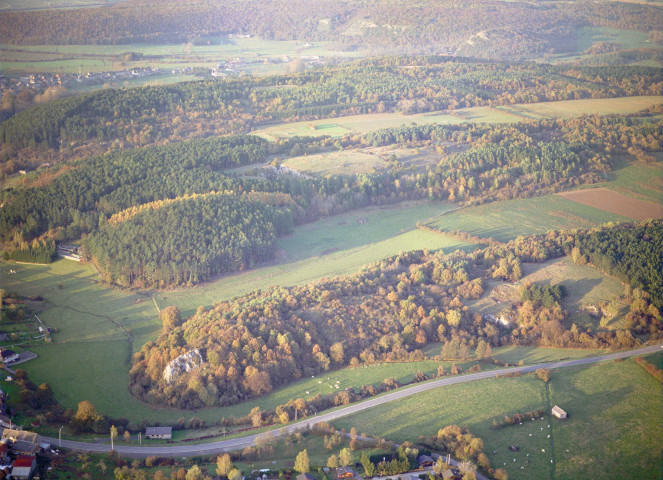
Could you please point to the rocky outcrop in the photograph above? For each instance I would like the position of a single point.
(182, 364)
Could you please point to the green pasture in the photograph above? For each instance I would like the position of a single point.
(352, 162)
(643, 181)
(574, 108)
(585, 285)
(588, 36)
(625, 39)
(340, 126)
(508, 219)
(613, 430)
(336, 163)
(614, 427)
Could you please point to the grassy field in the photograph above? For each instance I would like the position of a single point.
(574, 108)
(340, 126)
(529, 355)
(585, 285)
(506, 220)
(336, 163)
(639, 180)
(588, 36)
(613, 430)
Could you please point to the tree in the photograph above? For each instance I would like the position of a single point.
(194, 473)
(113, 434)
(369, 467)
(483, 350)
(345, 457)
(302, 462)
(336, 352)
(466, 467)
(170, 318)
(332, 462)
(127, 436)
(256, 416)
(223, 465)
(87, 413)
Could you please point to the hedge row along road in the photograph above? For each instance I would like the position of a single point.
(242, 442)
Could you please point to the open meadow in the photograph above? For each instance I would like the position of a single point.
(643, 181)
(574, 108)
(612, 406)
(505, 220)
(340, 126)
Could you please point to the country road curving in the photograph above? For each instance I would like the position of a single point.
(242, 442)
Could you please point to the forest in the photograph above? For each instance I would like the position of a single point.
(125, 200)
(388, 312)
(513, 30)
(113, 119)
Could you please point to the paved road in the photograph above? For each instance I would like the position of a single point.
(182, 450)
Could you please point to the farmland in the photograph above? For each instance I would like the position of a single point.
(612, 408)
(340, 126)
(504, 221)
(257, 56)
(636, 179)
(616, 203)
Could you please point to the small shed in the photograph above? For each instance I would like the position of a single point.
(345, 472)
(558, 412)
(164, 433)
(425, 461)
(24, 466)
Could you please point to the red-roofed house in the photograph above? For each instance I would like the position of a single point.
(24, 466)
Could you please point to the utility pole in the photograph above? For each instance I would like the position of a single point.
(140, 439)
(60, 436)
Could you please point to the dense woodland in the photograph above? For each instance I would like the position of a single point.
(388, 312)
(127, 118)
(126, 201)
(490, 29)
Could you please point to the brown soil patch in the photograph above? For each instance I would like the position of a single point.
(613, 202)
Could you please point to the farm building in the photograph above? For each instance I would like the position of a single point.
(305, 476)
(5, 421)
(24, 466)
(8, 356)
(558, 412)
(345, 472)
(165, 433)
(20, 441)
(425, 461)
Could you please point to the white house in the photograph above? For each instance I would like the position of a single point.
(165, 433)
